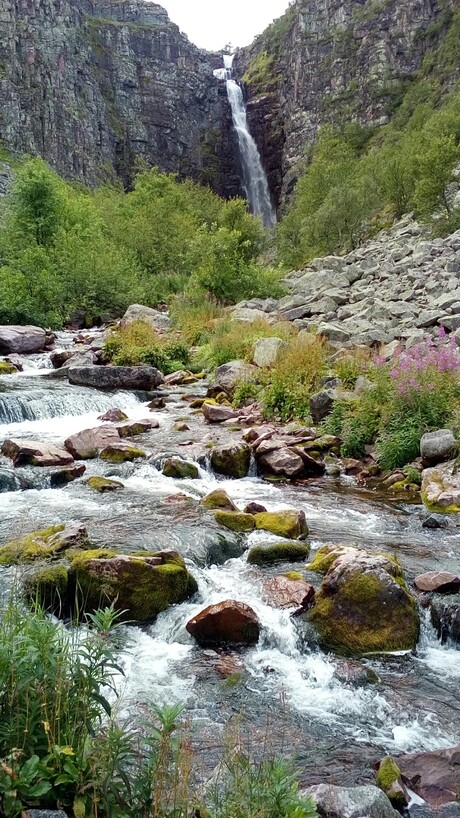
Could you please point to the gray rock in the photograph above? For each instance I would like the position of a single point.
(333, 332)
(229, 375)
(22, 340)
(267, 350)
(247, 316)
(46, 813)
(154, 318)
(351, 802)
(321, 404)
(436, 447)
(116, 377)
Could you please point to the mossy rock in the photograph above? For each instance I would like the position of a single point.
(388, 778)
(180, 469)
(48, 588)
(270, 553)
(361, 610)
(196, 403)
(235, 520)
(218, 499)
(43, 544)
(103, 485)
(7, 368)
(121, 454)
(231, 461)
(323, 559)
(288, 524)
(140, 587)
(295, 576)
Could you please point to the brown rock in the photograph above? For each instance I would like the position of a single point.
(312, 467)
(113, 416)
(25, 452)
(442, 581)
(281, 592)
(87, 444)
(282, 462)
(434, 776)
(227, 623)
(218, 414)
(131, 428)
(66, 475)
(60, 356)
(254, 508)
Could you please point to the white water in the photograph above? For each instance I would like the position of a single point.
(254, 177)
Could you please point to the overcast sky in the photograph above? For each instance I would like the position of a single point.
(211, 24)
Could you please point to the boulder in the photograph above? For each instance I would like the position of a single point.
(219, 499)
(322, 403)
(87, 444)
(180, 469)
(10, 481)
(231, 461)
(48, 542)
(113, 416)
(364, 606)
(60, 356)
(30, 452)
(139, 586)
(436, 447)
(103, 485)
(445, 616)
(441, 488)
(235, 521)
(288, 523)
(433, 522)
(441, 581)
(282, 462)
(61, 477)
(131, 428)
(144, 378)
(227, 623)
(247, 315)
(229, 375)
(285, 551)
(48, 586)
(23, 340)
(154, 318)
(267, 351)
(254, 508)
(350, 802)
(214, 413)
(434, 776)
(388, 778)
(121, 453)
(281, 592)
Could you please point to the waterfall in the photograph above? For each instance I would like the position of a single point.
(254, 177)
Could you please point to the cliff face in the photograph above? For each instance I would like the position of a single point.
(333, 61)
(93, 86)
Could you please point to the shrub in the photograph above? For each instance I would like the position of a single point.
(294, 377)
(138, 343)
(233, 340)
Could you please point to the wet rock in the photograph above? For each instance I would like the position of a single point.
(180, 469)
(10, 481)
(445, 616)
(181, 427)
(62, 477)
(364, 606)
(219, 499)
(284, 593)
(45, 543)
(436, 447)
(254, 508)
(282, 462)
(17, 361)
(236, 520)
(227, 623)
(312, 466)
(267, 351)
(354, 673)
(103, 485)
(269, 553)
(87, 444)
(113, 416)
(154, 318)
(389, 780)
(48, 586)
(30, 452)
(6, 368)
(183, 376)
(229, 375)
(441, 488)
(288, 523)
(139, 586)
(434, 776)
(132, 428)
(116, 377)
(23, 340)
(434, 522)
(231, 461)
(157, 403)
(441, 581)
(450, 810)
(60, 356)
(350, 802)
(215, 413)
(121, 453)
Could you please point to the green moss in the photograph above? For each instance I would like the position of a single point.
(295, 576)
(436, 508)
(6, 368)
(287, 524)
(388, 778)
(323, 559)
(235, 520)
(102, 485)
(112, 454)
(232, 461)
(180, 469)
(34, 546)
(48, 587)
(278, 552)
(218, 499)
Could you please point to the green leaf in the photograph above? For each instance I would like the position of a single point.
(79, 808)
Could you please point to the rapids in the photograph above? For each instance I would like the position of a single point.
(289, 692)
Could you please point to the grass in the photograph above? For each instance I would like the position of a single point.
(232, 340)
(138, 343)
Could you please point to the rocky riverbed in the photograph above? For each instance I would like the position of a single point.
(338, 715)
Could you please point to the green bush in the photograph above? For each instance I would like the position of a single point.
(138, 343)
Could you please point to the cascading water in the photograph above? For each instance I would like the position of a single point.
(254, 177)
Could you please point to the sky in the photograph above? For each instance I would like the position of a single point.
(211, 24)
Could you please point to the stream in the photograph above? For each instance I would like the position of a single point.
(288, 693)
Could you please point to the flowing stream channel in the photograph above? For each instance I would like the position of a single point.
(303, 700)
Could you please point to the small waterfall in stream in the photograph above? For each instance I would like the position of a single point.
(254, 177)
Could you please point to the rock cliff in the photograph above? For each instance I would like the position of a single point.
(94, 86)
(334, 61)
